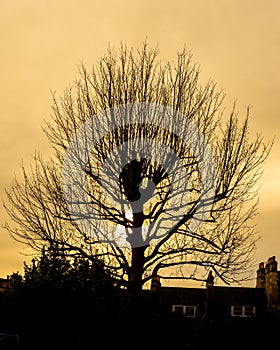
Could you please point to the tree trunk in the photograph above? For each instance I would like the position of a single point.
(137, 261)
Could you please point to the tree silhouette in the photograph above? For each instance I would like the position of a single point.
(61, 301)
(143, 197)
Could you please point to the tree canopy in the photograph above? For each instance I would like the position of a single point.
(60, 301)
(149, 172)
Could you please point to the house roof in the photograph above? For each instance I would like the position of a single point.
(235, 295)
(222, 295)
(181, 296)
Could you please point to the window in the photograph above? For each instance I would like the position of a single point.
(236, 311)
(187, 311)
(250, 311)
(178, 309)
(243, 311)
(190, 311)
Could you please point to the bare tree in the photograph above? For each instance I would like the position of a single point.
(161, 207)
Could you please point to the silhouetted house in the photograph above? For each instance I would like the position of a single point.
(220, 303)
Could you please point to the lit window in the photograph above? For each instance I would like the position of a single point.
(178, 309)
(243, 311)
(187, 311)
(250, 311)
(236, 310)
(190, 311)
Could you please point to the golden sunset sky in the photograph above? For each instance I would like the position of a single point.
(236, 43)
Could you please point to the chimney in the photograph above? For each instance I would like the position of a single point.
(271, 264)
(210, 286)
(271, 259)
(261, 276)
(210, 280)
(155, 284)
(155, 288)
(271, 282)
(210, 306)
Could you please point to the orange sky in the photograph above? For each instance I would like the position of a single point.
(236, 42)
